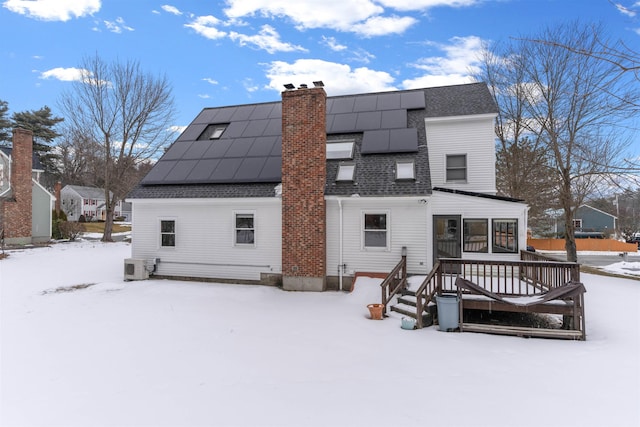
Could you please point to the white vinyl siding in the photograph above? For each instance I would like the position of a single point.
(205, 243)
(406, 226)
(475, 208)
(472, 136)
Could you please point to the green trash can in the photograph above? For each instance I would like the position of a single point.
(448, 312)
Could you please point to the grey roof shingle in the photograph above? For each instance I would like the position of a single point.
(246, 160)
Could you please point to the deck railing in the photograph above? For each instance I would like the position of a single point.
(395, 281)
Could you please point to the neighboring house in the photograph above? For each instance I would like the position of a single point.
(310, 191)
(25, 205)
(88, 202)
(591, 222)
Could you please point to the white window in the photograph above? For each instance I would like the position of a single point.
(405, 169)
(340, 150)
(577, 223)
(456, 167)
(375, 231)
(167, 233)
(217, 132)
(345, 172)
(244, 229)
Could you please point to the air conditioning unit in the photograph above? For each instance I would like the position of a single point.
(135, 269)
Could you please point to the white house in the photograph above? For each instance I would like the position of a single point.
(89, 202)
(312, 190)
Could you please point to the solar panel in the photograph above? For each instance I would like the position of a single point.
(203, 170)
(274, 127)
(262, 146)
(239, 148)
(225, 170)
(224, 115)
(255, 128)
(403, 140)
(181, 170)
(218, 148)
(159, 171)
(192, 132)
(368, 121)
(388, 101)
(272, 169)
(412, 100)
(375, 141)
(177, 150)
(235, 129)
(197, 150)
(342, 105)
(250, 168)
(261, 111)
(206, 116)
(365, 103)
(344, 123)
(393, 119)
(242, 112)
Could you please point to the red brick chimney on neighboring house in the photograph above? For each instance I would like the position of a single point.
(17, 209)
(304, 138)
(57, 189)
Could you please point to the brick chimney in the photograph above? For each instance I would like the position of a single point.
(57, 188)
(18, 210)
(304, 138)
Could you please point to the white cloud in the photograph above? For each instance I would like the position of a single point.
(177, 129)
(461, 62)
(338, 79)
(64, 74)
(171, 9)
(206, 27)
(625, 10)
(361, 55)
(53, 10)
(117, 26)
(333, 44)
(406, 5)
(210, 81)
(337, 14)
(380, 25)
(267, 39)
(204, 96)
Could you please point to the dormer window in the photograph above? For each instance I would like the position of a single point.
(345, 172)
(340, 150)
(212, 132)
(405, 169)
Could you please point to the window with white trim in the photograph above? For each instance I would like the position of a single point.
(244, 229)
(456, 167)
(505, 235)
(375, 231)
(345, 172)
(405, 169)
(340, 150)
(577, 223)
(167, 233)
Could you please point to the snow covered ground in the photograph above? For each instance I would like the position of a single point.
(81, 347)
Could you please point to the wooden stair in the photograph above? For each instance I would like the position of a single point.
(406, 306)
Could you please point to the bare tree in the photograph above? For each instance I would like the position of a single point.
(572, 105)
(522, 164)
(126, 111)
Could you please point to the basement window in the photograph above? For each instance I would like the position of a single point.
(346, 172)
(340, 150)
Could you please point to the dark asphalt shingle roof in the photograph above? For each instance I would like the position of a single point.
(246, 160)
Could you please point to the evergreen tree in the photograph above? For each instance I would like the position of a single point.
(5, 123)
(42, 123)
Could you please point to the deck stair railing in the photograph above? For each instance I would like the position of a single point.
(531, 275)
(395, 282)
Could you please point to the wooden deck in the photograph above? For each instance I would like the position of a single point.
(530, 277)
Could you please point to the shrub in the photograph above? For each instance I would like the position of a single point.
(70, 230)
(56, 219)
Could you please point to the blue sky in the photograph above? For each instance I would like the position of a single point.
(227, 52)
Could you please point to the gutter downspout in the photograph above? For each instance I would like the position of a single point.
(341, 261)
